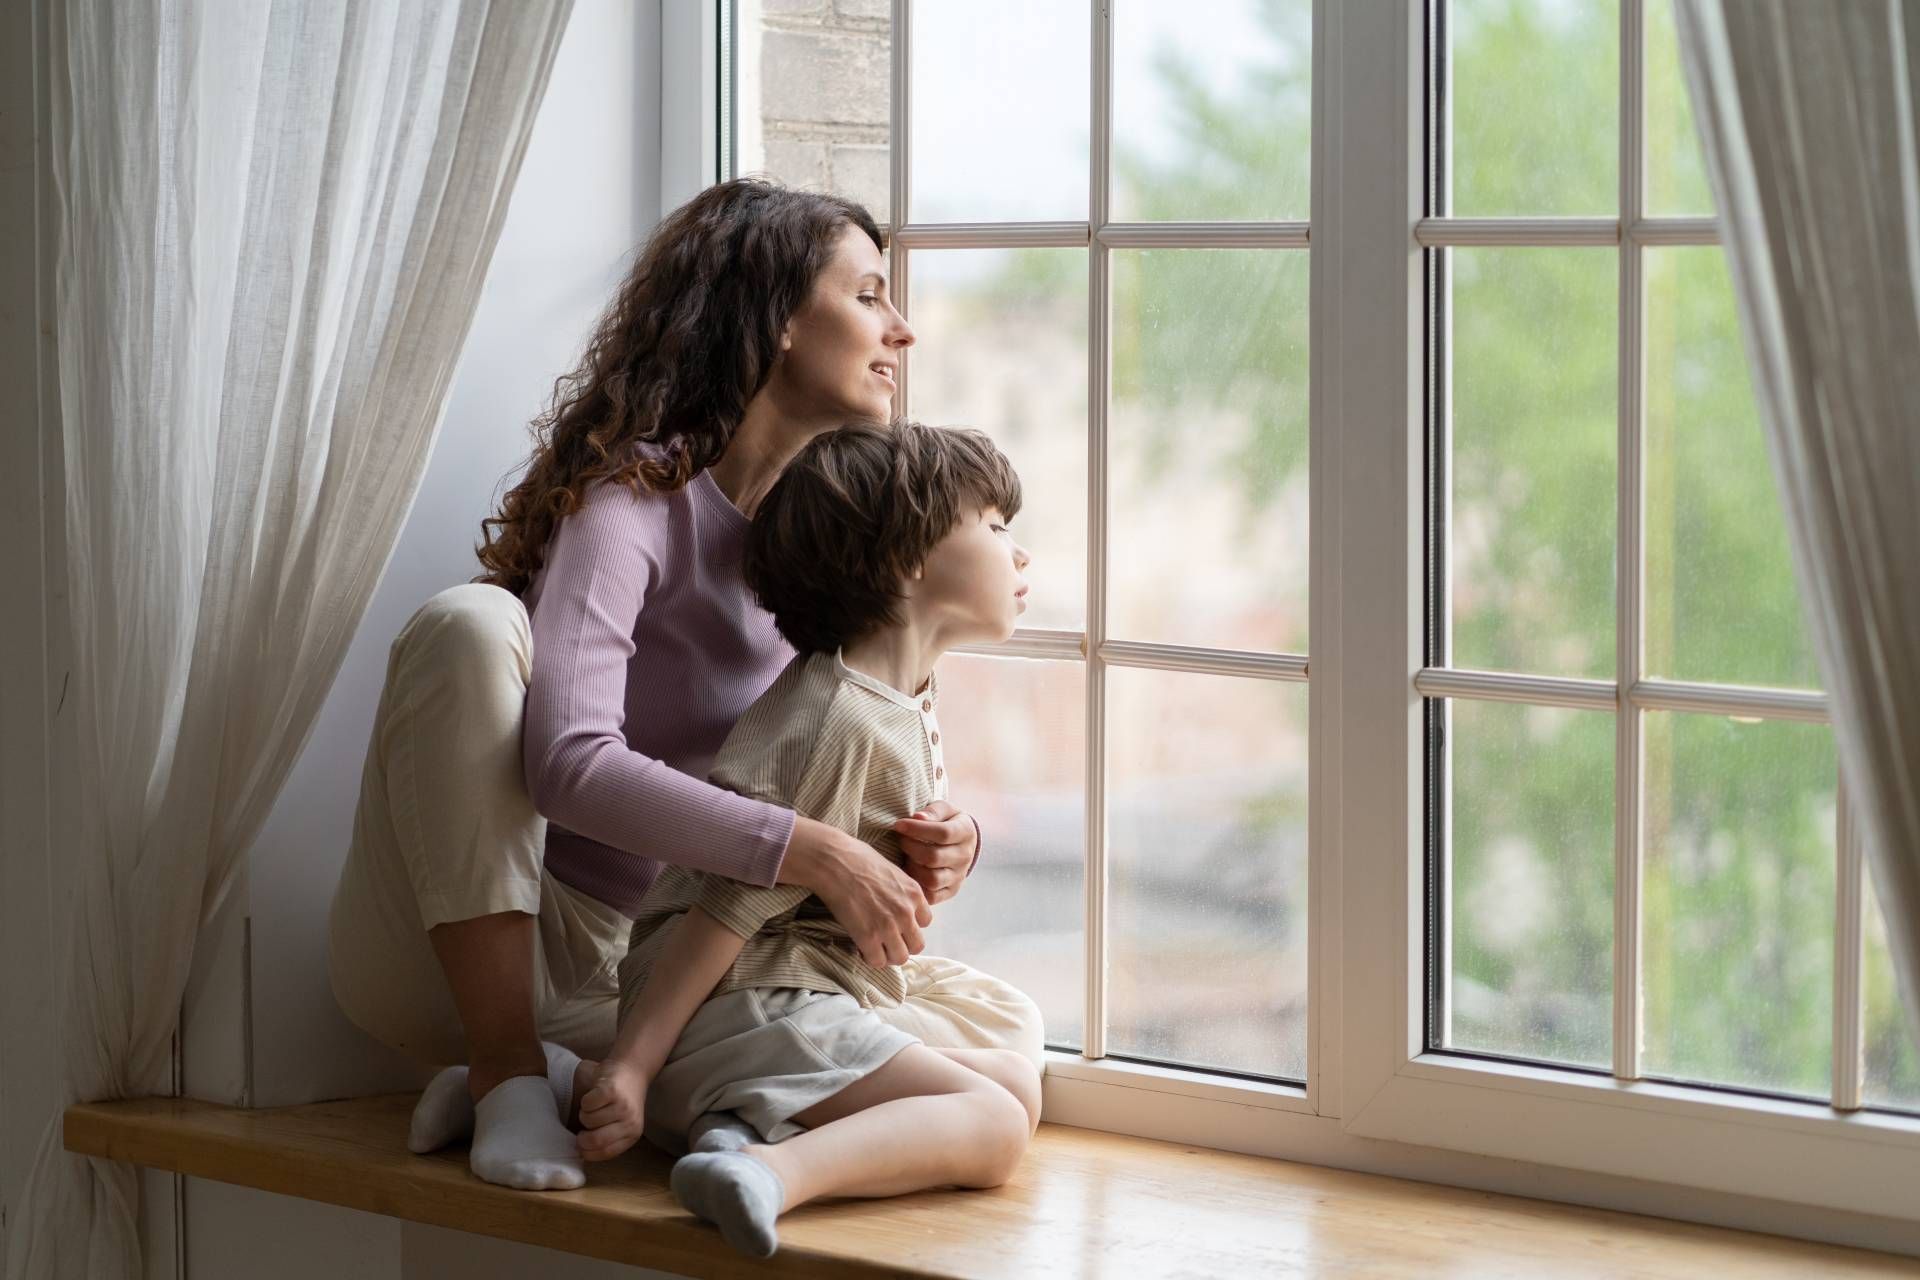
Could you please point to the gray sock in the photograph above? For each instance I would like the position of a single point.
(720, 1131)
(734, 1192)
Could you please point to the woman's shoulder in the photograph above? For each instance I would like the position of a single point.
(631, 503)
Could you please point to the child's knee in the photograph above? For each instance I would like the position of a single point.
(1015, 1073)
(1003, 1129)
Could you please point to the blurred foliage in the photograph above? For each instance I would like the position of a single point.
(1738, 905)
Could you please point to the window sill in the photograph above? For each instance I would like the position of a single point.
(1082, 1203)
(1144, 1077)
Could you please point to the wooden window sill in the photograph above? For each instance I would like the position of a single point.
(1084, 1203)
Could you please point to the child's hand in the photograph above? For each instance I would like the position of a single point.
(613, 1112)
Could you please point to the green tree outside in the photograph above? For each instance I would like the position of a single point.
(1739, 879)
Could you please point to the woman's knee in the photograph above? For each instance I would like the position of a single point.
(468, 627)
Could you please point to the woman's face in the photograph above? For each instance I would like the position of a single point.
(840, 354)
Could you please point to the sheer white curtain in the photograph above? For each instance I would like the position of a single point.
(1812, 132)
(273, 221)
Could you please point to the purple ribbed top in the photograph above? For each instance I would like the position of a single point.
(647, 646)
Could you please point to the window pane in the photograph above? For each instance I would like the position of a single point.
(1212, 119)
(1531, 892)
(1208, 431)
(1000, 102)
(1534, 447)
(1721, 601)
(1207, 903)
(1737, 902)
(814, 98)
(1003, 347)
(1893, 1062)
(1015, 739)
(1534, 88)
(1676, 169)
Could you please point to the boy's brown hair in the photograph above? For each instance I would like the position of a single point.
(855, 513)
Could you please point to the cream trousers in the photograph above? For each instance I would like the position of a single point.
(446, 831)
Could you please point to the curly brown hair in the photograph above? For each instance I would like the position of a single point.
(855, 513)
(690, 337)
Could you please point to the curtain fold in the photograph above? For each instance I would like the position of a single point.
(273, 219)
(1808, 117)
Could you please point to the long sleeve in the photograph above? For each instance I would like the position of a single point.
(602, 568)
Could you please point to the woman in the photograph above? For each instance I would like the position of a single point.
(612, 623)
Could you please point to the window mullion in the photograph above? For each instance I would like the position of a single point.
(1849, 948)
(1630, 740)
(1099, 391)
(899, 171)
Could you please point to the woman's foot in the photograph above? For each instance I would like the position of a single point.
(445, 1112)
(518, 1140)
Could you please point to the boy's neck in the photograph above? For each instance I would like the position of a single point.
(900, 657)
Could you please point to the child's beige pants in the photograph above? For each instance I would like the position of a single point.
(446, 831)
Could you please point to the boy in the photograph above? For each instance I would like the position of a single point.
(878, 550)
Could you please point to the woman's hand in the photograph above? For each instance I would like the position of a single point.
(614, 1111)
(940, 843)
(879, 905)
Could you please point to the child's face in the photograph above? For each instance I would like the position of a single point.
(972, 586)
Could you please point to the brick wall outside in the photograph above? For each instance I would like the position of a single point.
(824, 95)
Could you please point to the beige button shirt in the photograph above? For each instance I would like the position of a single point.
(834, 745)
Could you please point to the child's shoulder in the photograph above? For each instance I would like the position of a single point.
(769, 745)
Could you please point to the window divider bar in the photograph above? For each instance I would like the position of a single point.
(1520, 233)
(1220, 662)
(1729, 700)
(1674, 231)
(899, 174)
(1602, 695)
(1629, 763)
(1099, 389)
(1033, 642)
(1204, 235)
(1119, 235)
(1468, 233)
(1497, 686)
(1849, 958)
(995, 235)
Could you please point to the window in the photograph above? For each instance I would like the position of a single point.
(1490, 418)
(1129, 322)
(1651, 885)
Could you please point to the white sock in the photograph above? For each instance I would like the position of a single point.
(519, 1141)
(445, 1111)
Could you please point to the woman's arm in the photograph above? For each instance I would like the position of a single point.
(877, 903)
(601, 565)
(688, 968)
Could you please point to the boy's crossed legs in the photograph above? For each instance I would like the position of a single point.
(927, 1118)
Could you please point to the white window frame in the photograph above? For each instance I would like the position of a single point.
(1374, 1099)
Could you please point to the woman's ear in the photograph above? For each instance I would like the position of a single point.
(786, 338)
